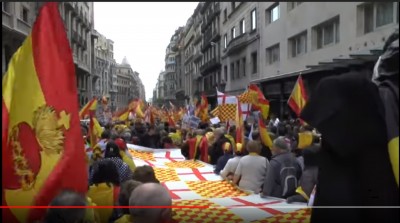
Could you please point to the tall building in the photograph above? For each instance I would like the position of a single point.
(192, 53)
(159, 91)
(18, 18)
(318, 39)
(171, 66)
(103, 64)
(128, 85)
(240, 46)
(137, 90)
(211, 62)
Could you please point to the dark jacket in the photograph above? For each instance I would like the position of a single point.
(216, 151)
(222, 162)
(354, 166)
(272, 183)
(150, 141)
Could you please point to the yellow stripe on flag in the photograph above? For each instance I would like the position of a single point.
(394, 157)
(22, 89)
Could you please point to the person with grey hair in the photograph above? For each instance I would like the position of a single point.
(66, 215)
(123, 214)
(150, 194)
(284, 172)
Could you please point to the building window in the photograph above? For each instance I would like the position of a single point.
(225, 41)
(233, 6)
(254, 62)
(5, 6)
(273, 54)
(384, 13)
(244, 67)
(242, 26)
(233, 33)
(374, 15)
(225, 73)
(327, 33)
(292, 5)
(298, 45)
(238, 69)
(232, 71)
(24, 14)
(253, 20)
(272, 13)
(225, 15)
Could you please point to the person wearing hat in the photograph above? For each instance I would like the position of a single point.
(123, 151)
(228, 154)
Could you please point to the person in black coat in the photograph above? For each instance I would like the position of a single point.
(216, 149)
(354, 166)
(151, 139)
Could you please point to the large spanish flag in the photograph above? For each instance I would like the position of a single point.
(298, 97)
(42, 145)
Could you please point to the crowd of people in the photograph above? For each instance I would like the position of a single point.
(114, 180)
(344, 164)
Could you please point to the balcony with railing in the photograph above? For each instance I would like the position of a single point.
(169, 69)
(209, 66)
(237, 44)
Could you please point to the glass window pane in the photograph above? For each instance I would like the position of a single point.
(328, 34)
(384, 13)
(337, 32)
(368, 18)
(275, 13)
(319, 38)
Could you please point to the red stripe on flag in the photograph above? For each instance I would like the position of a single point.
(197, 173)
(256, 205)
(266, 209)
(168, 156)
(192, 173)
(150, 164)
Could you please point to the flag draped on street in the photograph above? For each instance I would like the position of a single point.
(42, 145)
(298, 97)
(194, 183)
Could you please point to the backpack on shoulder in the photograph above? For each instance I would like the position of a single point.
(288, 180)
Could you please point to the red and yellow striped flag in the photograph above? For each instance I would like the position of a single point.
(259, 103)
(265, 138)
(90, 106)
(42, 145)
(298, 97)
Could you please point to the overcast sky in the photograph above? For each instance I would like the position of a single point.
(141, 31)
